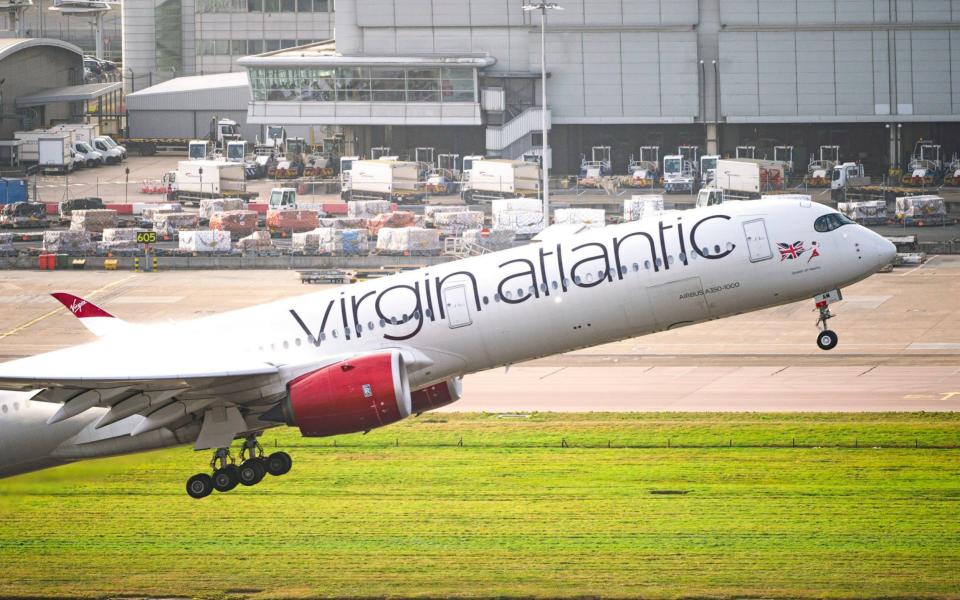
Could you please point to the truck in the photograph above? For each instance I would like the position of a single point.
(30, 148)
(492, 179)
(195, 180)
(85, 153)
(746, 179)
(54, 153)
(679, 174)
(112, 151)
(708, 168)
(847, 176)
(953, 172)
(282, 199)
(393, 180)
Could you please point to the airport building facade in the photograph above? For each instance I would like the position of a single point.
(164, 39)
(463, 76)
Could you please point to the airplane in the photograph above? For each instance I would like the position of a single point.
(362, 356)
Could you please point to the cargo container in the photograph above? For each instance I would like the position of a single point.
(396, 181)
(493, 179)
(55, 153)
(12, 190)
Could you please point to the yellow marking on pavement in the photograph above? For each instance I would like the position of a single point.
(949, 395)
(29, 324)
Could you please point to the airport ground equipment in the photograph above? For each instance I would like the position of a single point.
(952, 177)
(393, 180)
(746, 152)
(708, 168)
(784, 156)
(819, 170)
(599, 165)
(379, 152)
(644, 173)
(679, 174)
(493, 179)
(282, 199)
(926, 167)
(195, 180)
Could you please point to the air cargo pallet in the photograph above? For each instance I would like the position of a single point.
(331, 276)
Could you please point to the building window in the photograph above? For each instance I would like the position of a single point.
(360, 84)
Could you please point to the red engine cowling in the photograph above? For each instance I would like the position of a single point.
(359, 394)
(437, 395)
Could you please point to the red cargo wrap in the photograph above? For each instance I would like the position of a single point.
(293, 221)
(337, 208)
(52, 209)
(394, 220)
(260, 209)
(122, 209)
(239, 223)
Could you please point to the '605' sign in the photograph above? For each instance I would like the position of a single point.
(146, 237)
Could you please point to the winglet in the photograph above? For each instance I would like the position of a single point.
(94, 318)
(79, 307)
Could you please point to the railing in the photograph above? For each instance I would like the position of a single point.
(500, 138)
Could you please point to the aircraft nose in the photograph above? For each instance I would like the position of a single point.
(882, 249)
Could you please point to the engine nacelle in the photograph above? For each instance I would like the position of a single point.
(437, 395)
(354, 395)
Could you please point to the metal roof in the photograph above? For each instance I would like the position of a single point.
(10, 45)
(219, 92)
(70, 93)
(194, 83)
(325, 54)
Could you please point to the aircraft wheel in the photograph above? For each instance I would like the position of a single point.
(252, 471)
(827, 340)
(279, 463)
(226, 479)
(200, 486)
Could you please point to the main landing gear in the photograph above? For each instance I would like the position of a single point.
(253, 467)
(826, 339)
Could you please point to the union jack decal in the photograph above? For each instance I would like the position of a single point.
(791, 251)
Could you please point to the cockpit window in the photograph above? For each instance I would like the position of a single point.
(830, 222)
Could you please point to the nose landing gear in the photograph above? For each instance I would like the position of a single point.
(227, 475)
(826, 339)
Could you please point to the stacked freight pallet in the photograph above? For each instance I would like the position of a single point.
(522, 215)
(408, 241)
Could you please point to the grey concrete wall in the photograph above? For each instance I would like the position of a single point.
(32, 70)
(183, 123)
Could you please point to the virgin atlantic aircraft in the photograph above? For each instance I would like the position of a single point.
(366, 355)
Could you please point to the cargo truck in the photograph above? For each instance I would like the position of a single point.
(742, 180)
(30, 148)
(55, 154)
(195, 180)
(392, 180)
(492, 179)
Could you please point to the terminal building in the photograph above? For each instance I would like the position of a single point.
(164, 39)
(463, 76)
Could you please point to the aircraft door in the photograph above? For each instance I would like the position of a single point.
(457, 307)
(758, 244)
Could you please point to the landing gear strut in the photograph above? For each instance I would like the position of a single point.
(227, 475)
(826, 339)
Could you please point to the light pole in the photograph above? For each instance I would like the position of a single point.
(543, 7)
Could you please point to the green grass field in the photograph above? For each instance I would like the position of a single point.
(862, 506)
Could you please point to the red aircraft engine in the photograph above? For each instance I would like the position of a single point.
(436, 395)
(353, 395)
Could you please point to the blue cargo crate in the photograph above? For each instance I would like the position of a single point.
(12, 190)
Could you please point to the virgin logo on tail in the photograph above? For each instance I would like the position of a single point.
(77, 305)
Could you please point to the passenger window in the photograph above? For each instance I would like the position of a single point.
(646, 265)
(486, 300)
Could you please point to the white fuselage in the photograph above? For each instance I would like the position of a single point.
(545, 298)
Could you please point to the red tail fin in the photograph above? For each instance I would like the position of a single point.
(81, 308)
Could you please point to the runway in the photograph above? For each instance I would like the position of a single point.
(899, 345)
